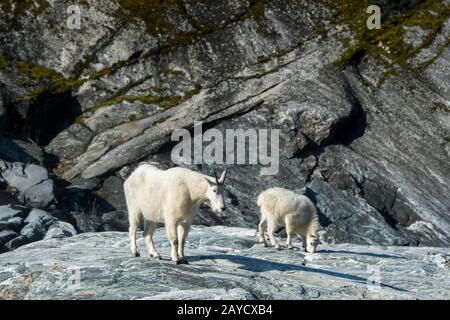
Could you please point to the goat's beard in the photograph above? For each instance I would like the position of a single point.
(216, 208)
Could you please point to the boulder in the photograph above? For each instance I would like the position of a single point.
(17, 242)
(22, 176)
(15, 223)
(112, 192)
(60, 229)
(117, 220)
(36, 225)
(6, 235)
(32, 181)
(6, 213)
(81, 198)
(40, 195)
(41, 217)
(87, 223)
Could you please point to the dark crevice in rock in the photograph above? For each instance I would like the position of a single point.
(379, 197)
(15, 126)
(387, 212)
(344, 132)
(136, 54)
(356, 58)
(239, 113)
(311, 149)
(387, 201)
(389, 219)
(311, 171)
(47, 116)
(350, 128)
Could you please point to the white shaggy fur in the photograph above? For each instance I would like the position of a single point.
(282, 207)
(172, 197)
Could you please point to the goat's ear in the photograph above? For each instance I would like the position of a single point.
(222, 177)
(209, 181)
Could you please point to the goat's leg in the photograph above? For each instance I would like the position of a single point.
(271, 231)
(171, 229)
(149, 228)
(183, 230)
(289, 222)
(134, 219)
(290, 233)
(261, 229)
(303, 242)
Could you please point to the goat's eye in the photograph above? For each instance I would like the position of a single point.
(214, 190)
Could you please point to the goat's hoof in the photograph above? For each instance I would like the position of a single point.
(290, 248)
(176, 262)
(264, 244)
(183, 261)
(135, 254)
(278, 248)
(157, 257)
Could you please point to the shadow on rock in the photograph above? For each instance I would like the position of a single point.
(18, 151)
(259, 265)
(376, 255)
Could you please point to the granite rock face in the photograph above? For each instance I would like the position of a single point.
(367, 126)
(225, 263)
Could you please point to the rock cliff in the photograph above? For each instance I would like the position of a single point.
(364, 114)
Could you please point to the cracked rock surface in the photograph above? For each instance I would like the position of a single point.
(225, 263)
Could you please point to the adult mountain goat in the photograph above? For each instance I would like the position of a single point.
(172, 197)
(282, 207)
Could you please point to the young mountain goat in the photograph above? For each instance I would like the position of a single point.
(296, 212)
(172, 197)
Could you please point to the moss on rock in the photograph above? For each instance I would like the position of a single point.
(55, 81)
(17, 8)
(441, 107)
(3, 63)
(256, 7)
(165, 102)
(388, 41)
(13, 10)
(152, 12)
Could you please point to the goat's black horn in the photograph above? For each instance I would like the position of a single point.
(215, 176)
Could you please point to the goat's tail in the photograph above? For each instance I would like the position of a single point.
(259, 200)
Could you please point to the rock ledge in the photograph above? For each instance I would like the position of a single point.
(225, 263)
